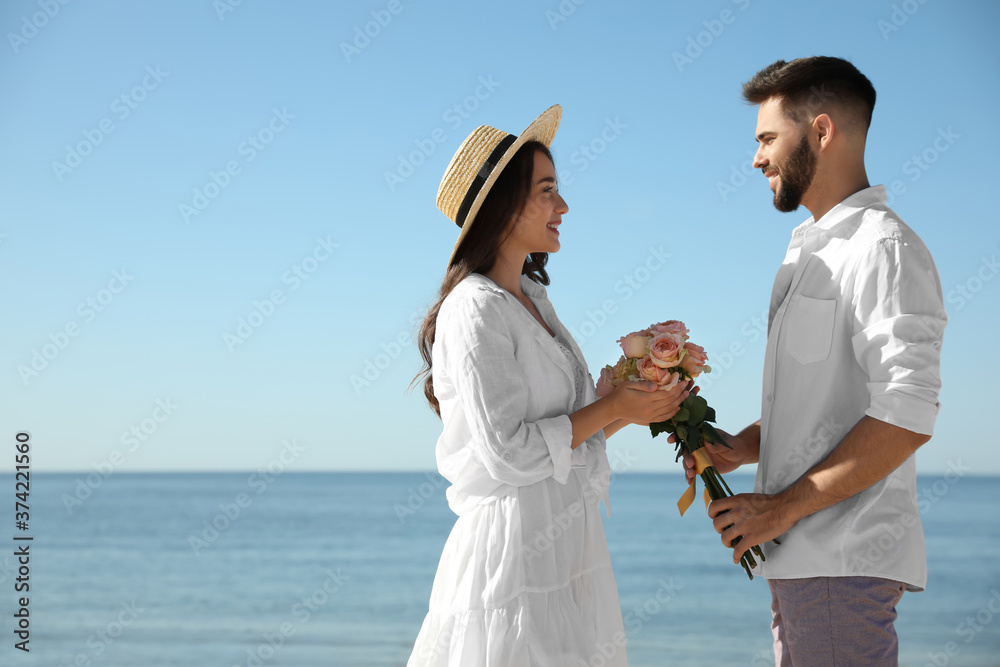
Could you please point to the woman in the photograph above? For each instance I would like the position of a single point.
(525, 577)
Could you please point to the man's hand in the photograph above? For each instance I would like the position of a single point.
(723, 458)
(754, 517)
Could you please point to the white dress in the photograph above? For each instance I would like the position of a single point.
(525, 577)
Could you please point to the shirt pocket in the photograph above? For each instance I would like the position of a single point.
(809, 328)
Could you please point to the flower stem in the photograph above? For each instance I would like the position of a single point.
(717, 488)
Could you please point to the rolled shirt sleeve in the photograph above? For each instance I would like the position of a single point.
(493, 390)
(899, 327)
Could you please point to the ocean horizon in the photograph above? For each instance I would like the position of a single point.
(335, 568)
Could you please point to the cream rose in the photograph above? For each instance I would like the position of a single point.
(625, 371)
(634, 344)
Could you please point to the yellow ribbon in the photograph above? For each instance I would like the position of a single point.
(701, 461)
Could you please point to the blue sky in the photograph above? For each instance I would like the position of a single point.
(220, 228)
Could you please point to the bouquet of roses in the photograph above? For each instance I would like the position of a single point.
(663, 354)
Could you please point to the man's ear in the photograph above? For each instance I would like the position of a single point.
(823, 130)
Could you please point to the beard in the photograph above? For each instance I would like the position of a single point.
(796, 177)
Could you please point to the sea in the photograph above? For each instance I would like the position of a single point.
(310, 569)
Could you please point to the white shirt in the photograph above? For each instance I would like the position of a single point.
(855, 329)
(505, 390)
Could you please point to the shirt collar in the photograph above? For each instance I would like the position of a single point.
(859, 200)
(528, 286)
(531, 288)
(483, 282)
(843, 211)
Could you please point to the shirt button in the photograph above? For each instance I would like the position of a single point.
(769, 398)
(507, 456)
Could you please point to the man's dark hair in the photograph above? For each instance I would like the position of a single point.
(807, 87)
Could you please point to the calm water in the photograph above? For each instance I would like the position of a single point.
(325, 569)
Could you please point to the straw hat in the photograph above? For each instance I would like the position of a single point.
(477, 165)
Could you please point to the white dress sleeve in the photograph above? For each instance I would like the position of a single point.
(493, 391)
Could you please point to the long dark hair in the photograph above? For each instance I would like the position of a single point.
(480, 248)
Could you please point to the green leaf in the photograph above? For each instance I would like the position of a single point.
(683, 415)
(711, 435)
(710, 414)
(656, 428)
(682, 432)
(696, 409)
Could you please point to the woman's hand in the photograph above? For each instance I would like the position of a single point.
(644, 402)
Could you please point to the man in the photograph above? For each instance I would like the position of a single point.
(851, 379)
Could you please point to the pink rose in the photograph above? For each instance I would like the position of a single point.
(661, 376)
(634, 344)
(666, 350)
(671, 381)
(605, 382)
(650, 371)
(694, 360)
(672, 327)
